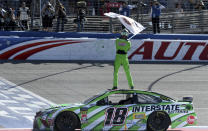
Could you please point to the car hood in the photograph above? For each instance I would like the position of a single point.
(70, 105)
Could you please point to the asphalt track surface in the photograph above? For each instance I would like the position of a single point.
(67, 82)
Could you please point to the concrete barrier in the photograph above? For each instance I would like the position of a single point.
(89, 46)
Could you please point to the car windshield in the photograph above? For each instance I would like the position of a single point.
(92, 98)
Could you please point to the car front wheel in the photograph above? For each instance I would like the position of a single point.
(67, 121)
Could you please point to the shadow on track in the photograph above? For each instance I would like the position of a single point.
(188, 69)
(80, 62)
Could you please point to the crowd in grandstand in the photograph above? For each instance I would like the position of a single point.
(18, 18)
(11, 19)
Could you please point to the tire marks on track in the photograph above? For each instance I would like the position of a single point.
(177, 72)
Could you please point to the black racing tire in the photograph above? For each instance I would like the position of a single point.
(67, 121)
(158, 121)
(35, 126)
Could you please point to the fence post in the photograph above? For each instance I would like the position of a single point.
(40, 6)
(111, 25)
(172, 23)
(32, 15)
(201, 21)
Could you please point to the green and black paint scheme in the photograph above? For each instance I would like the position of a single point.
(119, 110)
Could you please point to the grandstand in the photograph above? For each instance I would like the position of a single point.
(186, 22)
(189, 21)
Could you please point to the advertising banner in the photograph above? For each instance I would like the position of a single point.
(169, 50)
(101, 49)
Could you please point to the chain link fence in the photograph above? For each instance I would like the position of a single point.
(191, 20)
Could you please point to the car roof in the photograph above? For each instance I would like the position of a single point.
(123, 91)
(129, 90)
(136, 91)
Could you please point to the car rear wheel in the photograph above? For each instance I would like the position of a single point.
(67, 121)
(158, 121)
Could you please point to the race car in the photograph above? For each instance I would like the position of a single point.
(119, 110)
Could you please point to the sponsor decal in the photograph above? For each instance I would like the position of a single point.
(190, 120)
(178, 111)
(156, 108)
(139, 116)
(168, 50)
(83, 116)
(115, 116)
(121, 44)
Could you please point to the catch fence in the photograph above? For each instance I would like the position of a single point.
(189, 21)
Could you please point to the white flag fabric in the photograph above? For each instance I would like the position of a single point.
(111, 14)
(133, 26)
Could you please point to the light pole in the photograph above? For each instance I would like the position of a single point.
(40, 12)
(32, 14)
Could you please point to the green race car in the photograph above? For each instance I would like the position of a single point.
(119, 110)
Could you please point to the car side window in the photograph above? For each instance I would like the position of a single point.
(103, 102)
(117, 99)
(121, 99)
(148, 99)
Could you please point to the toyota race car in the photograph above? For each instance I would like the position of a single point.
(119, 110)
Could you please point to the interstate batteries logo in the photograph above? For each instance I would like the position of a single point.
(169, 108)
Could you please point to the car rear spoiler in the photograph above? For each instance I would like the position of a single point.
(188, 99)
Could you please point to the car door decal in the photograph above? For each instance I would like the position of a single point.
(115, 116)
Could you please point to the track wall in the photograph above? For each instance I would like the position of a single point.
(89, 46)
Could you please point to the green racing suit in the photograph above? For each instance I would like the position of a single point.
(122, 47)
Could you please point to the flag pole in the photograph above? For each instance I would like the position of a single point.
(132, 36)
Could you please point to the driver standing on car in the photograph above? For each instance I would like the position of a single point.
(122, 47)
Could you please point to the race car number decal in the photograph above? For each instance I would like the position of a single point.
(115, 116)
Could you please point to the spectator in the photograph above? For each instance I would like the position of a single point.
(125, 9)
(23, 16)
(155, 14)
(178, 8)
(200, 5)
(80, 19)
(48, 13)
(61, 15)
(106, 7)
(10, 20)
(91, 8)
(81, 13)
(190, 4)
(102, 8)
(2, 18)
